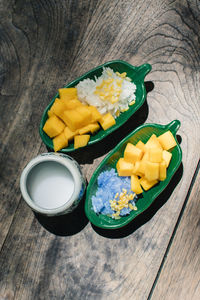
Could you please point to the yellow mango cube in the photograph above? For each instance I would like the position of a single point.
(124, 168)
(94, 127)
(72, 103)
(155, 155)
(107, 121)
(74, 120)
(81, 140)
(162, 171)
(141, 146)
(53, 126)
(153, 142)
(132, 153)
(146, 184)
(166, 155)
(69, 134)
(85, 112)
(145, 156)
(60, 142)
(96, 116)
(135, 185)
(151, 171)
(139, 168)
(58, 108)
(167, 140)
(67, 93)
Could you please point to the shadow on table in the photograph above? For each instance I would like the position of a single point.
(89, 153)
(65, 225)
(146, 215)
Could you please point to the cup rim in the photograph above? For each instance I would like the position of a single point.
(64, 160)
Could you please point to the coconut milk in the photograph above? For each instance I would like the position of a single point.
(50, 184)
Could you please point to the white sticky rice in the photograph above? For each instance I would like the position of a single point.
(87, 87)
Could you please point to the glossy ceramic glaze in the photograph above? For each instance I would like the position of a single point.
(137, 75)
(141, 133)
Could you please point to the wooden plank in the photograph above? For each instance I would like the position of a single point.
(44, 45)
(180, 275)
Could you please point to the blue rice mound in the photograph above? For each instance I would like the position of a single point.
(109, 183)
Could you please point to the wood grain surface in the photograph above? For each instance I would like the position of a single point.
(46, 44)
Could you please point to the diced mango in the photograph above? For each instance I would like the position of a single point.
(58, 107)
(135, 185)
(162, 171)
(146, 184)
(72, 103)
(60, 142)
(94, 127)
(124, 168)
(145, 156)
(151, 171)
(53, 126)
(81, 140)
(140, 145)
(89, 128)
(155, 155)
(166, 155)
(167, 140)
(107, 121)
(85, 112)
(69, 134)
(139, 168)
(96, 116)
(132, 153)
(74, 120)
(67, 93)
(153, 142)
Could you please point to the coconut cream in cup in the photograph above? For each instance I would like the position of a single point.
(52, 184)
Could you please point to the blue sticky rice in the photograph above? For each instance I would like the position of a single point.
(109, 183)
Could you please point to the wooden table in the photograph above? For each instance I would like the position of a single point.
(46, 44)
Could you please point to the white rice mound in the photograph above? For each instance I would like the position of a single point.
(87, 87)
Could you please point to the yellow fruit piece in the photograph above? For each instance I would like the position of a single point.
(124, 168)
(167, 140)
(140, 145)
(85, 112)
(60, 142)
(74, 120)
(146, 184)
(94, 127)
(89, 128)
(166, 155)
(155, 155)
(72, 103)
(107, 121)
(58, 107)
(53, 126)
(135, 185)
(50, 113)
(139, 168)
(67, 93)
(153, 142)
(162, 171)
(81, 140)
(132, 153)
(151, 171)
(96, 116)
(69, 134)
(145, 156)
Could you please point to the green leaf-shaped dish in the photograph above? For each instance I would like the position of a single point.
(141, 133)
(137, 75)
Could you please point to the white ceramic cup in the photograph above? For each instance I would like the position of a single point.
(52, 184)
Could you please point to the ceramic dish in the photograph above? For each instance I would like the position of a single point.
(143, 132)
(137, 75)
